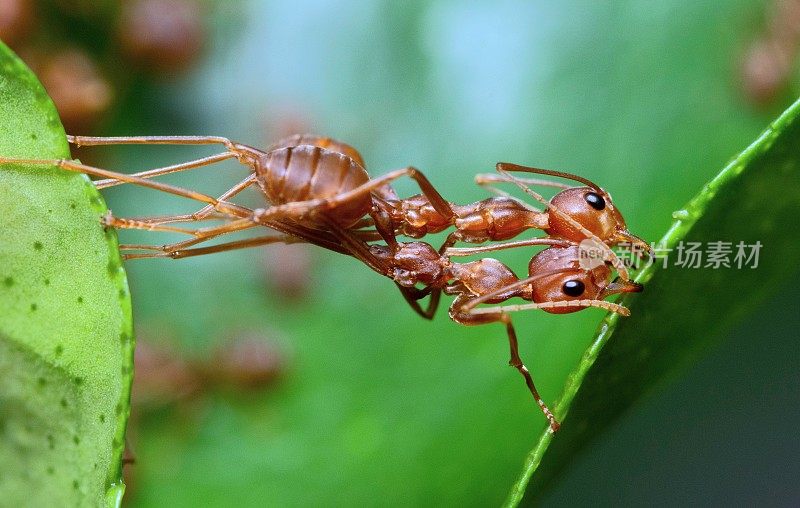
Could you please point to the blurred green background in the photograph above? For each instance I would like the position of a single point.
(372, 405)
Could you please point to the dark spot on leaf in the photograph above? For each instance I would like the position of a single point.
(47, 282)
(59, 349)
(80, 299)
(51, 470)
(51, 441)
(75, 484)
(64, 403)
(78, 381)
(38, 245)
(34, 306)
(102, 418)
(42, 381)
(118, 409)
(34, 136)
(122, 293)
(73, 205)
(76, 439)
(8, 281)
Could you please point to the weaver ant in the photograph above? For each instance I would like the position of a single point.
(557, 282)
(321, 194)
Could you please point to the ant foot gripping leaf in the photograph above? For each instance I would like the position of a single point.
(66, 341)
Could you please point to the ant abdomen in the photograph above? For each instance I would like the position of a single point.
(301, 173)
(322, 142)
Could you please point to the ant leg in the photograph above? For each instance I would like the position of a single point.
(205, 234)
(109, 220)
(413, 295)
(517, 363)
(299, 208)
(460, 314)
(200, 235)
(149, 140)
(205, 161)
(439, 204)
(204, 213)
(355, 246)
(69, 165)
(383, 225)
(200, 251)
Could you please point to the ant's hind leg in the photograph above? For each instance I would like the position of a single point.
(150, 140)
(517, 363)
(161, 252)
(207, 212)
(299, 208)
(197, 163)
(69, 165)
(413, 295)
(200, 235)
(460, 313)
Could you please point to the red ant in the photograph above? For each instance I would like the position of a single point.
(557, 282)
(321, 194)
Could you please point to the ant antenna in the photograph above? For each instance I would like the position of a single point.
(601, 304)
(469, 251)
(527, 169)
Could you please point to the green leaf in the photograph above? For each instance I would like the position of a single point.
(683, 310)
(66, 339)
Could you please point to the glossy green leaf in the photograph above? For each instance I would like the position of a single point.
(683, 309)
(66, 338)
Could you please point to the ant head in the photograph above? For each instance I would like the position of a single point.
(563, 279)
(575, 208)
(593, 209)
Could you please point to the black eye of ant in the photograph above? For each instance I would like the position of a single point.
(595, 200)
(573, 288)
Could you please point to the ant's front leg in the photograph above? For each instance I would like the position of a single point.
(412, 296)
(465, 317)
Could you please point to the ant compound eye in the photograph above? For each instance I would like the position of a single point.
(595, 200)
(573, 288)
